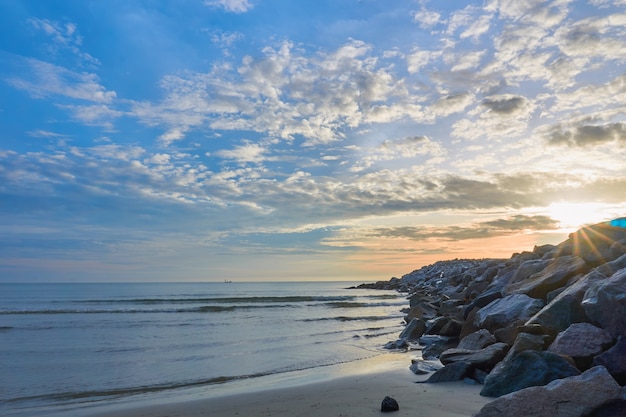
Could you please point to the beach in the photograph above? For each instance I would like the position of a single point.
(353, 389)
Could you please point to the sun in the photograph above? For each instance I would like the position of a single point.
(576, 215)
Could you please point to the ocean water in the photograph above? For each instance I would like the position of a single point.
(68, 347)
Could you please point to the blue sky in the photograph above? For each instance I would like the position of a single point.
(280, 140)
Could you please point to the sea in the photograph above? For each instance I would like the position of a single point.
(66, 349)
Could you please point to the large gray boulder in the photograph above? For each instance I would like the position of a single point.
(605, 303)
(614, 360)
(553, 277)
(595, 244)
(477, 340)
(576, 396)
(581, 341)
(526, 369)
(507, 311)
(414, 330)
(566, 308)
(484, 359)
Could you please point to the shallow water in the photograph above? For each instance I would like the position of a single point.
(80, 344)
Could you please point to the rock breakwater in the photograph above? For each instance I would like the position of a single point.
(544, 320)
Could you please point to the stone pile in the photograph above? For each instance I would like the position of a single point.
(542, 326)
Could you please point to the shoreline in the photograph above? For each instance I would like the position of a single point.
(350, 389)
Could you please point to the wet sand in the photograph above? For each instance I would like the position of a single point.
(354, 389)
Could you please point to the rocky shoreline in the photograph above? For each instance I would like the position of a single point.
(544, 331)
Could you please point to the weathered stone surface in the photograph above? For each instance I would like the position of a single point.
(485, 358)
(526, 369)
(614, 408)
(389, 404)
(507, 311)
(452, 328)
(614, 360)
(526, 341)
(528, 268)
(454, 372)
(399, 344)
(581, 340)
(575, 396)
(422, 367)
(593, 243)
(477, 340)
(423, 311)
(554, 276)
(566, 308)
(605, 303)
(414, 330)
(435, 345)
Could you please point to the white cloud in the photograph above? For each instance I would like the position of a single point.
(249, 152)
(63, 36)
(234, 6)
(42, 79)
(426, 18)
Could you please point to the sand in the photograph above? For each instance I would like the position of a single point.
(354, 389)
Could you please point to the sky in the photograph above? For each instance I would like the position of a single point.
(281, 140)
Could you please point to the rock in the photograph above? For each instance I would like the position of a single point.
(399, 344)
(436, 344)
(605, 303)
(581, 341)
(477, 340)
(528, 268)
(507, 311)
(423, 367)
(566, 308)
(423, 311)
(484, 359)
(454, 372)
(452, 328)
(554, 276)
(526, 369)
(414, 330)
(389, 404)
(575, 396)
(435, 325)
(614, 360)
(594, 243)
(614, 408)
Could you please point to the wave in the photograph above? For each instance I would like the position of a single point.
(348, 318)
(221, 300)
(199, 309)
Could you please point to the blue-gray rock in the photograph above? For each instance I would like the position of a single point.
(605, 303)
(503, 312)
(566, 308)
(414, 330)
(526, 369)
(554, 276)
(485, 358)
(614, 360)
(454, 372)
(477, 340)
(581, 340)
(576, 396)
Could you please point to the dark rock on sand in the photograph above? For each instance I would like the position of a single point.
(526, 369)
(484, 359)
(423, 367)
(414, 330)
(389, 404)
(576, 396)
(453, 372)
